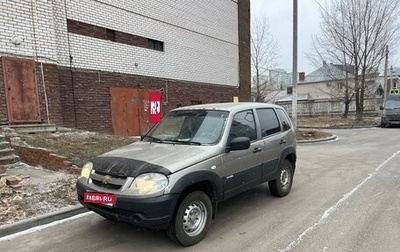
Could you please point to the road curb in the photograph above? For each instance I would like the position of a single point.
(331, 138)
(339, 127)
(41, 220)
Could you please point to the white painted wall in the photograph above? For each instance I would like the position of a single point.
(200, 37)
(31, 23)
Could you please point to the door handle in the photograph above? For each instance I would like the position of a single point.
(256, 150)
(282, 141)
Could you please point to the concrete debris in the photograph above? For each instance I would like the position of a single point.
(11, 181)
(2, 169)
(3, 182)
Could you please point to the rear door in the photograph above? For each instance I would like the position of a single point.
(242, 169)
(273, 141)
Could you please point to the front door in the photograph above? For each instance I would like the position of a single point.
(19, 77)
(242, 169)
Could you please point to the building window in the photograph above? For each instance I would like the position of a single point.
(196, 102)
(110, 35)
(156, 45)
(99, 32)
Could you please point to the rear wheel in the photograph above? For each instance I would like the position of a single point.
(192, 219)
(281, 186)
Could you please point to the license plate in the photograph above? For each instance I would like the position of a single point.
(99, 198)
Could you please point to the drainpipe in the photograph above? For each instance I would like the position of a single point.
(34, 17)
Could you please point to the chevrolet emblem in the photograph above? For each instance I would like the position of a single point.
(105, 179)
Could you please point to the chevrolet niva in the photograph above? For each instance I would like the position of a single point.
(195, 158)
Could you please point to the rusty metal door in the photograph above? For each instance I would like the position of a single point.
(19, 77)
(124, 111)
(144, 110)
(129, 111)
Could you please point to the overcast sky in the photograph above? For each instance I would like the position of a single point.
(280, 16)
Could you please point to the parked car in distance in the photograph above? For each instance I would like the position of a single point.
(391, 111)
(195, 158)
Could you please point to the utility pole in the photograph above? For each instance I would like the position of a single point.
(294, 71)
(385, 77)
(391, 76)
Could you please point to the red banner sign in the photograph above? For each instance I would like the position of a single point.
(155, 107)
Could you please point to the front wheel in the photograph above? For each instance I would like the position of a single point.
(281, 186)
(192, 219)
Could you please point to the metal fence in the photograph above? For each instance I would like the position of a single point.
(330, 108)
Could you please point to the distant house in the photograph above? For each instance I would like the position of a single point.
(329, 82)
(322, 91)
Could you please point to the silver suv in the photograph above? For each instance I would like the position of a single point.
(196, 157)
(391, 111)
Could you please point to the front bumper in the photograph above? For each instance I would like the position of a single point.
(153, 212)
(390, 121)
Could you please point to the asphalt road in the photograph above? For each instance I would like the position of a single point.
(345, 197)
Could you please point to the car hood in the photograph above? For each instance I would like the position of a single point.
(142, 157)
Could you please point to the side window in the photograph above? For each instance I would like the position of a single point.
(243, 125)
(268, 121)
(286, 123)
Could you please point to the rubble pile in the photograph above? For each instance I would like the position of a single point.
(20, 199)
(10, 197)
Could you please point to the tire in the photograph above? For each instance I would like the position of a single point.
(281, 186)
(192, 219)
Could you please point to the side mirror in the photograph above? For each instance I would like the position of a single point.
(239, 143)
(381, 107)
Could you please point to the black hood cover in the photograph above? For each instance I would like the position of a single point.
(126, 167)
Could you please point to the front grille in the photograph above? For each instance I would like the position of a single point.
(107, 181)
(393, 117)
(108, 186)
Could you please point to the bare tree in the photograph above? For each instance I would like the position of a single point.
(354, 34)
(263, 55)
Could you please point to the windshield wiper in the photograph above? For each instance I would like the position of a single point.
(154, 139)
(182, 141)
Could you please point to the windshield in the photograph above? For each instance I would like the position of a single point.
(189, 127)
(392, 104)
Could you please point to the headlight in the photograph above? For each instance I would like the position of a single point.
(149, 183)
(86, 170)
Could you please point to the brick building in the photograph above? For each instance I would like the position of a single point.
(90, 64)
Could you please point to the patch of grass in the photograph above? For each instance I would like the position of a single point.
(334, 121)
(311, 134)
(79, 147)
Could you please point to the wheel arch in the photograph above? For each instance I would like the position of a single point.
(289, 154)
(205, 181)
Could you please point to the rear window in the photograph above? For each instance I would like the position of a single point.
(285, 120)
(268, 121)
